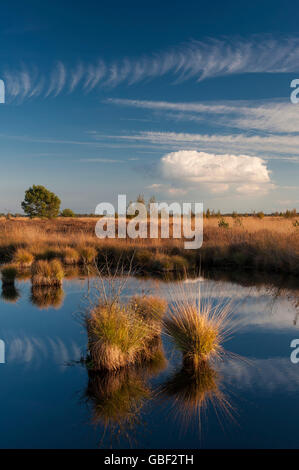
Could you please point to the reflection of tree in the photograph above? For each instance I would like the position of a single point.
(193, 390)
(10, 293)
(47, 296)
(117, 398)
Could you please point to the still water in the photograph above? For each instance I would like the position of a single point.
(48, 400)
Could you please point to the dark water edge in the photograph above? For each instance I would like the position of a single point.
(48, 399)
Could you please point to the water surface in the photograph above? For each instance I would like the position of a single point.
(48, 399)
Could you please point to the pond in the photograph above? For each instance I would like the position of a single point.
(49, 400)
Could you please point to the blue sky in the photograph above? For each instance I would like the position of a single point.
(189, 101)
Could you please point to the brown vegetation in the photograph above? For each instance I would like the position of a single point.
(269, 244)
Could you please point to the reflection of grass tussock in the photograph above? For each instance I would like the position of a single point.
(47, 273)
(8, 274)
(118, 336)
(10, 293)
(47, 296)
(193, 391)
(117, 396)
(197, 327)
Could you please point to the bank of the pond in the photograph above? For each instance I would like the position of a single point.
(264, 247)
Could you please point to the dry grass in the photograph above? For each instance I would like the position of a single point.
(268, 244)
(23, 258)
(70, 256)
(118, 336)
(197, 327)
(151, 309)
(47, 273)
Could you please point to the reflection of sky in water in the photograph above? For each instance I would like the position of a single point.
(42, 400)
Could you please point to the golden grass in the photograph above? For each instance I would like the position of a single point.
(118, 336)
(47, 273)
(268, 244)
(23, 258)
(197, 327)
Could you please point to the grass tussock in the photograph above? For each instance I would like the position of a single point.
(197, 326)
(151, 309)
(118, 336)
(70, 256)
(23, 258)
(47, 273)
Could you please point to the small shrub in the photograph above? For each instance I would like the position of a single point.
(67, 213)
(222, 223)
(296, 223)
(260, 215)
(23, 258)
(162, 263)
(47, 273)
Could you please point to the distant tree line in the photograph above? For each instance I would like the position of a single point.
(41, 202)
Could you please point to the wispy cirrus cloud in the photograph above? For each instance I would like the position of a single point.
(250, 115)
(197, 60)
(280, 147)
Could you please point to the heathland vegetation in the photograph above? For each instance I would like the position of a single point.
(258, 243)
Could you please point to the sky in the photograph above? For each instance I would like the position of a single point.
(188, 101)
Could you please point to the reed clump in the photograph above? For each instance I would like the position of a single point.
(47, 273)
(23, 258)
(118, 336)
(70, 256)
(151, 309)
(198, 328)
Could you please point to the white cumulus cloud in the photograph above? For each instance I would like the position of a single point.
(218, 173)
